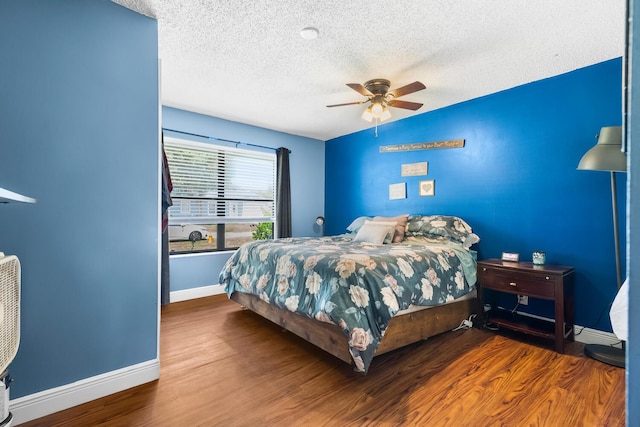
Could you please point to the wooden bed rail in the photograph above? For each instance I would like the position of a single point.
(403, 330)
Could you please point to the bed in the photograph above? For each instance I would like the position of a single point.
(389, 282)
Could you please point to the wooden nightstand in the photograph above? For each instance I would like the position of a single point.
(550, 282)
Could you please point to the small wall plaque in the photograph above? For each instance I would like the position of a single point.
(415, 169)
(398, 191)
(427, 188)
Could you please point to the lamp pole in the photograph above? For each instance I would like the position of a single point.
(616, 237)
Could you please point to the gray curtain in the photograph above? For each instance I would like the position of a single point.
(283, 194)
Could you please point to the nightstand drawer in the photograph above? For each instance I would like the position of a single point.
(539, 286)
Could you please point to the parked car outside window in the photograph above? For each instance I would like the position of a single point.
(192, 232)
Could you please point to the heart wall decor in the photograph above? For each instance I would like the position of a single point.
(427, 188)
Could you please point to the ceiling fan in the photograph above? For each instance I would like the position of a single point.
(380, 97)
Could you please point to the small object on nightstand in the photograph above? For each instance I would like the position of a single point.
(510, 256)
(539, 257)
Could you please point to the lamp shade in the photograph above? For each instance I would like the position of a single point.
(386, 114)
(607, 154)
(367, 114)
(376, 109)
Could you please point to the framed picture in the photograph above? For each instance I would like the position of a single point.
(427, 188)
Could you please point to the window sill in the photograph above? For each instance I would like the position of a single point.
(199, 254)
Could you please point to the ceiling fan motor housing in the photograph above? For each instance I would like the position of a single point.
(378, 86)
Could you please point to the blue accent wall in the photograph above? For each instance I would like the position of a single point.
(515, 181)
(307, 185)
(80, 133)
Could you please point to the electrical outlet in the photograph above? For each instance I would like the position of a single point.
(523, 299)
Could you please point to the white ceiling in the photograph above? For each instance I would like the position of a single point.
(246, 61)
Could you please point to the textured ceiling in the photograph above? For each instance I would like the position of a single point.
(246, 61)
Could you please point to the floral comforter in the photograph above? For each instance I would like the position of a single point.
(357, 286)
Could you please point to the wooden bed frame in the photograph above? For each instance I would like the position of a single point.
(403, 329)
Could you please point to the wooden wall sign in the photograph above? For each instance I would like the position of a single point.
(414, 169)
(451, 143)
(398, 191)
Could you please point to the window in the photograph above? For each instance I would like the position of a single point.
(222, 196)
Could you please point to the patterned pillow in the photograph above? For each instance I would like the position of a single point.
(443, 228)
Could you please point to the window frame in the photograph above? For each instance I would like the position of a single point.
(220, 221)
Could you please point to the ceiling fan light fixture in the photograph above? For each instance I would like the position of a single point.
(386, 114)
(376, 109)
(367, 114)
(380, 98)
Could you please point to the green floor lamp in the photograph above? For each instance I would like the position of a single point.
(607, 155)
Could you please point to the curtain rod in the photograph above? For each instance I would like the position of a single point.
(221, 139)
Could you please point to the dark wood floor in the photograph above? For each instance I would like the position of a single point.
(225, 366)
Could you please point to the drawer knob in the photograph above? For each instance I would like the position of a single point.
(484, 268)
(513, 284)
(547, 277)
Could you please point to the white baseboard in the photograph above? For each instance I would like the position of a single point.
(203, 291)
(586, 335)
(594, 336)
(47, 402)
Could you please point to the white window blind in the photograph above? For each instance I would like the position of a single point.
(215, 184)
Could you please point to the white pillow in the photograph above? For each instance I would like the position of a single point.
(372, 233)
(392, 229)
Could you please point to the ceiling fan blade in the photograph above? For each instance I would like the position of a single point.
(360, 89)
(348, 103)
(405, 90)
(404, 104)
